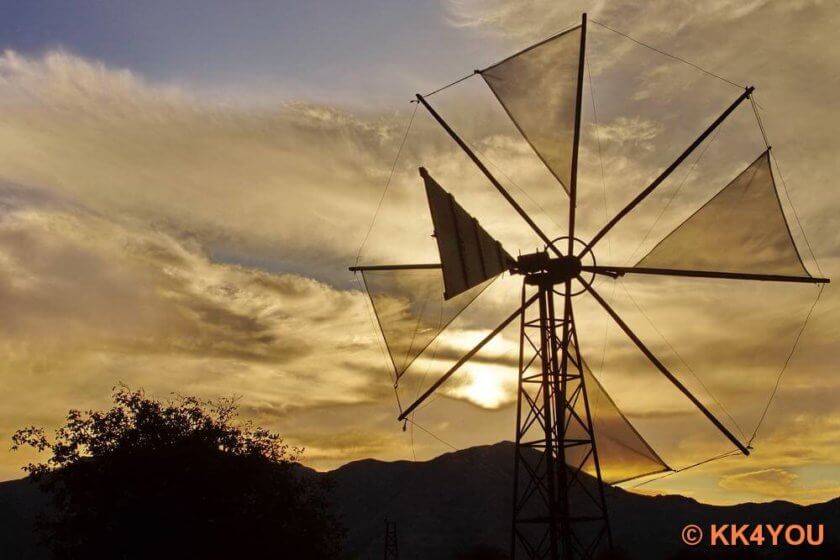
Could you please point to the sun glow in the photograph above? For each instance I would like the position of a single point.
(490, 380)
(487, 385)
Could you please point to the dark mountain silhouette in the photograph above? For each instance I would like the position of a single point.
(460, 502)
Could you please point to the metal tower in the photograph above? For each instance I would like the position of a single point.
(548, 421)
(392, 551)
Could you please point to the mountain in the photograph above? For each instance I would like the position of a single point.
(446, 507)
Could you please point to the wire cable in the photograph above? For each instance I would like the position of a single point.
(388, 361)
(600, 156)
(449, 85)
(675, 57)
(784, 185)
(683, 469)
(784, 367)
(606, 207)
(446, 443)
(387, 184)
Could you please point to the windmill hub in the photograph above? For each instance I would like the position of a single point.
(541, 269)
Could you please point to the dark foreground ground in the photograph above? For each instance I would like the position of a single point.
(450, 505)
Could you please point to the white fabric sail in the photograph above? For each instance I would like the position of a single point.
(538, 88)
(742, 229)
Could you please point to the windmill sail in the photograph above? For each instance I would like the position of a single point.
(622, 452)
(410, 309)
(742, 229)
(468, 254)
(538, 88)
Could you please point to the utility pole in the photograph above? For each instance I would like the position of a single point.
(392, 551)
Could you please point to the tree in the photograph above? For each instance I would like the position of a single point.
(176, 479)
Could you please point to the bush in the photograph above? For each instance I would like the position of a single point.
(176, 479)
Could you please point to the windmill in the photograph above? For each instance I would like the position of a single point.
(556, 512)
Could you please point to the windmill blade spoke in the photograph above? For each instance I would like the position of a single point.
(429, 266)
(466, 357)
(490, 177)
(661, 367)
(617, 271)
(667, 172)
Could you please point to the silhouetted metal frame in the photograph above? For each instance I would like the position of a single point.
(595, 458)
(616, 271)
(392, 550)
(561, 378)
(576, 141)
(552, 407)
(375, 267)
(548, 350)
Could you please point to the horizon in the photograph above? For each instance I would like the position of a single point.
(183, 189)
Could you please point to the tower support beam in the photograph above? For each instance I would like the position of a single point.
(553, 421)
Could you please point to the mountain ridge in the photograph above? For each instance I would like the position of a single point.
(446, 506)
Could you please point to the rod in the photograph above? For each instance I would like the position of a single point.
(622, 270)
(561, 406)
(670, 169)
(518, 434)
(489, 175)
(595, 458)
(394, 267)
(576, 141)
(466, 357)
(661, 367)
(548, 359)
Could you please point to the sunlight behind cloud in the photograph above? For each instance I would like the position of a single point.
(486, 385)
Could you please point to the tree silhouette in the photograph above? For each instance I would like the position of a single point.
(176, 479)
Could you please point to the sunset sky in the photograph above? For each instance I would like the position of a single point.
(183, 186)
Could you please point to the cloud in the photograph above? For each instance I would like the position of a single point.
(767, 482)
(625, 129)
(89, 301)
(235, 177)
(780, 484)
(534, 18)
